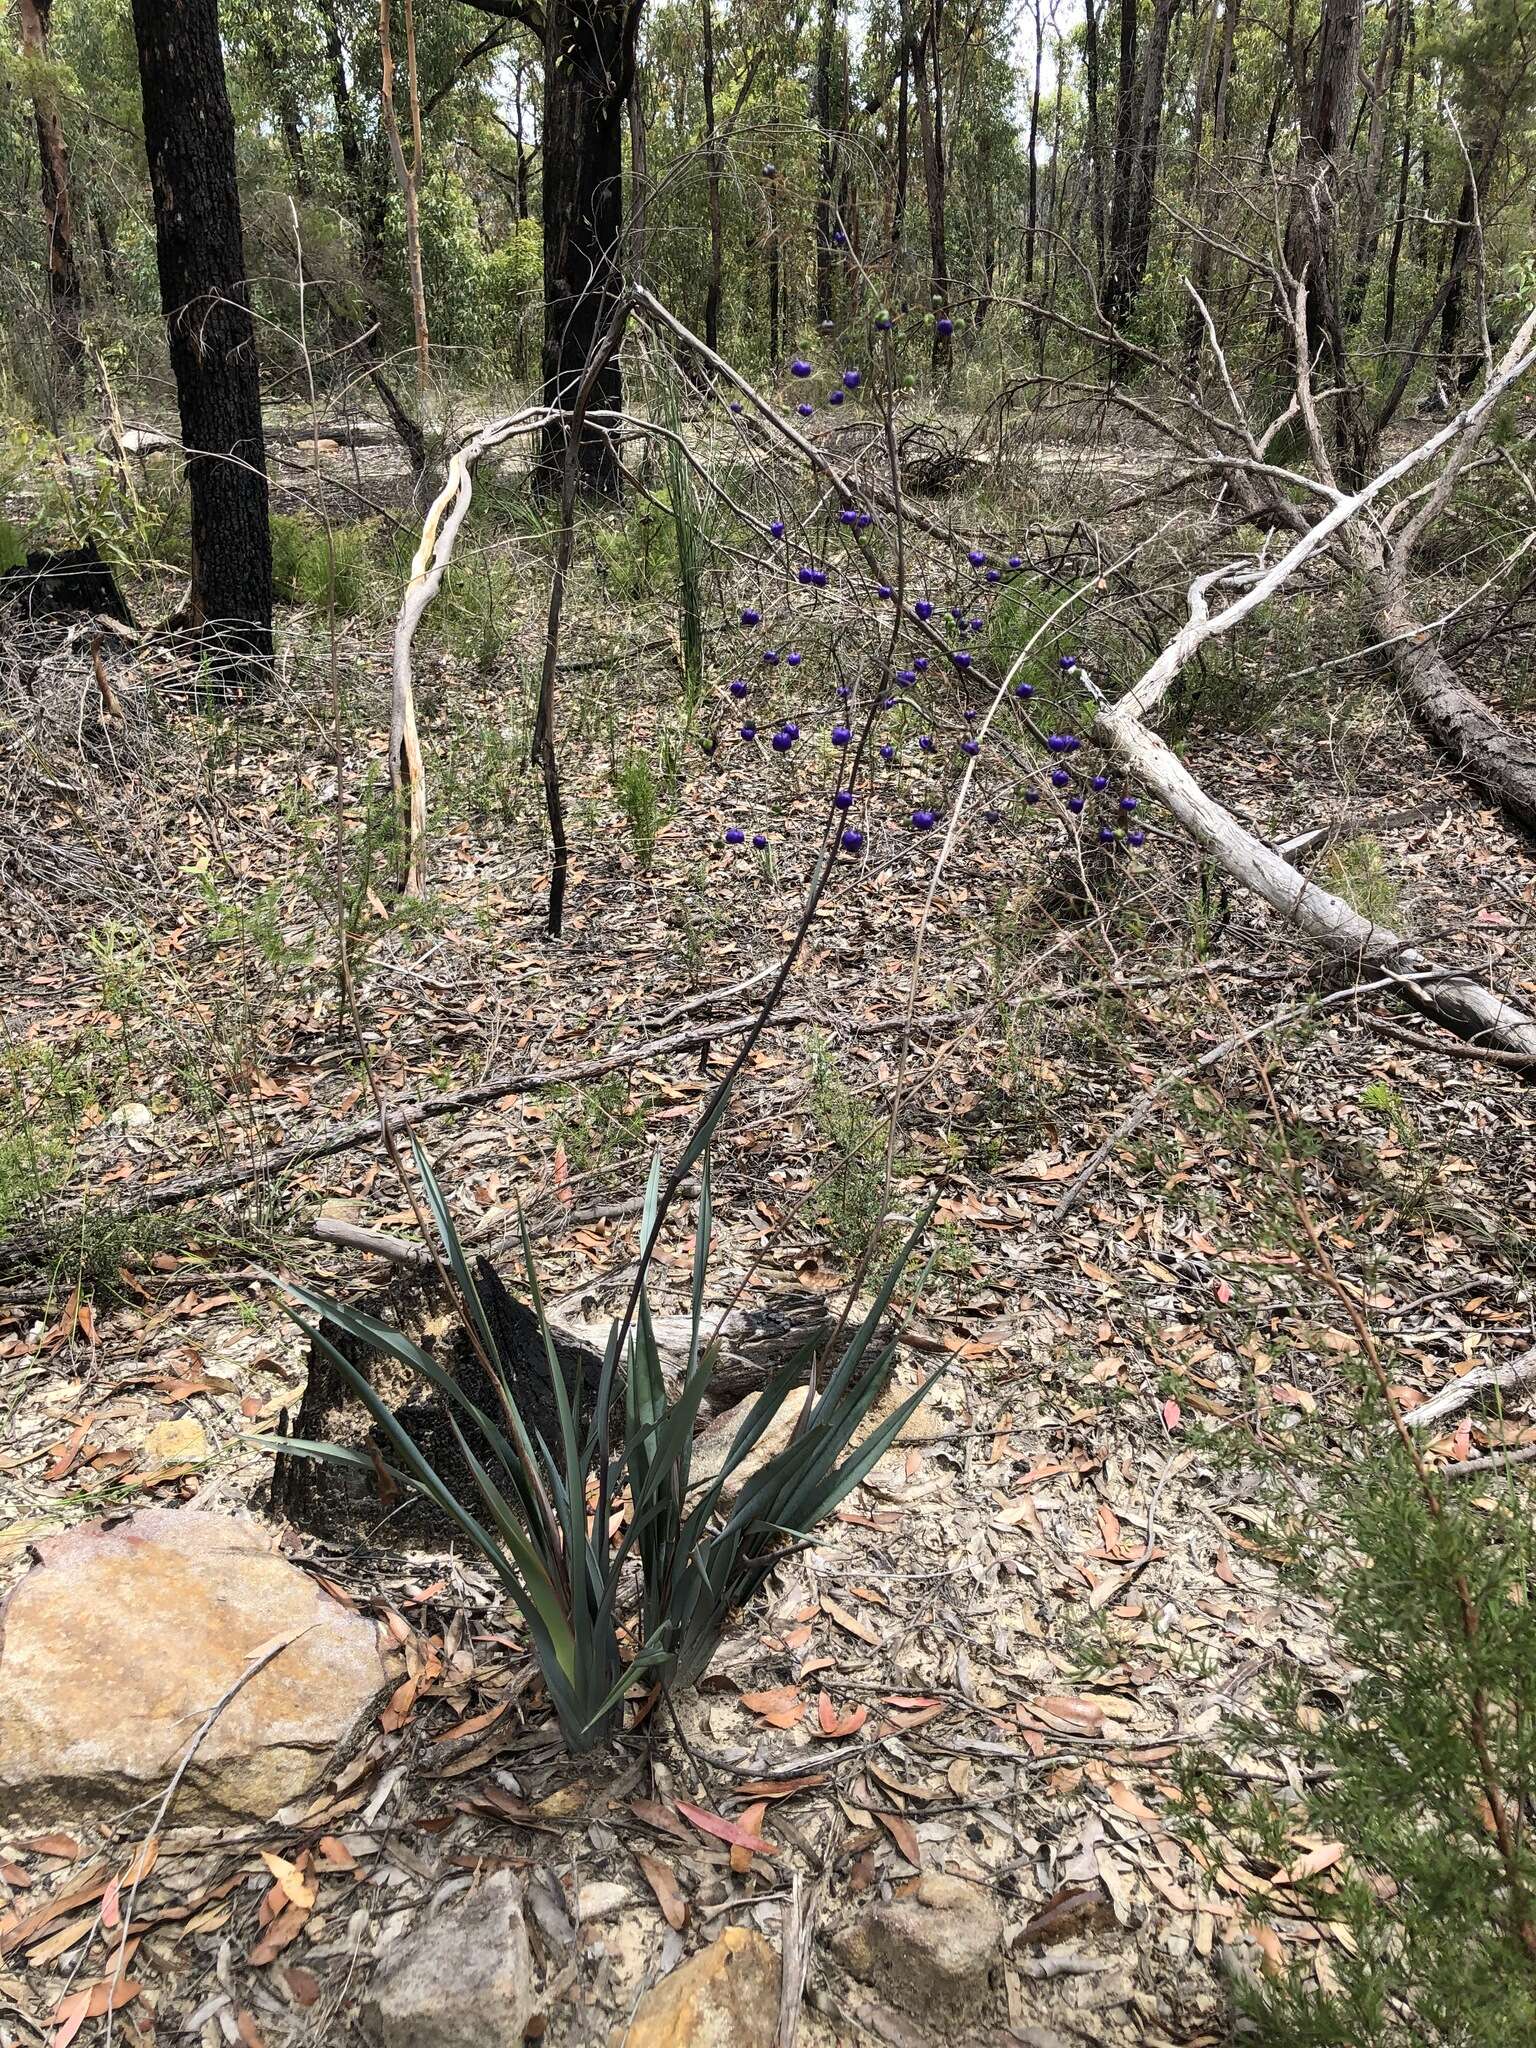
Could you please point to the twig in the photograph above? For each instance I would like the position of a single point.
(1483, 1379)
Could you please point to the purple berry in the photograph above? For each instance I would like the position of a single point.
(961, 657)
(994, 575)
(887, 752)
(1060, 778)
(1031, 796)
(852, 840)
(789, 726)
(734, 836)
(1024, 690)
(841, 735)
(782, 742)
(760, 841)
(922, 609)
(776, 528)
(1075, 804)
(749, 732)
(806, 574)
(844, 800)
(945, 327)
(749, 617)
(922, 821)
(852, 379)
(794, 657)
(971, 747)
(883, 590)
(977, 558)
(834, 398)
(1015, 561)
(771, 656)
(1069, 661)
(847, 515)
(1100, 783)
(1127, 804)
(805, 411)
(926, 743)
(920, 662)
(819, 578)
(799, 367)
(1106, 835)
(739, 687)
(1136, 838)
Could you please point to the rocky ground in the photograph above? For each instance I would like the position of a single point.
(934, 1786)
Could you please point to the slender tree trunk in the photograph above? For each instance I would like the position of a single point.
(930, 113)
(826, 44)
(1111, 285)
(53, 162)
(407, 176)
(189, 136)
(589, 59)
(1095, 134)
(1032, 228)
(713, 170)
(1368, 225)
(1394, 253)
(775, 282)
(1312, 231)
(903, 147)
(639, 181)
(988, 226)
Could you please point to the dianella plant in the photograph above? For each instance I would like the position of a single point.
(623, 1568)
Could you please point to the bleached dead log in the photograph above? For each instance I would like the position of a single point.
(1459, 1000)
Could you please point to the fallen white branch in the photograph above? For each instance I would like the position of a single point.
(1461, 1001)
(1483, 1379)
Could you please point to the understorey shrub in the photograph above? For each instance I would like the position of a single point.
(1402, 1823)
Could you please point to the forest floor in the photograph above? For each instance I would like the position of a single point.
(1064, 1591)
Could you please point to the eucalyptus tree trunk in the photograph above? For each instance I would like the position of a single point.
(53, 164)
(189, 137)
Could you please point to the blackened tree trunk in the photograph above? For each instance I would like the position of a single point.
(1033, 227)
(589, 58)
(189, 137)
(53, 162)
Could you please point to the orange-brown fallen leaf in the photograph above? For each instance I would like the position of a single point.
(663, 1882)
(726, 1830)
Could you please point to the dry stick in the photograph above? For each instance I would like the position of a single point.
(259, 1662)
(188, 1187)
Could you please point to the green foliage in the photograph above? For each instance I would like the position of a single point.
(853, 1190)
(13, 549)
(638, 791)
(1432, 1936)
(681, 1559)
(43, 1098)
(598, 1124)
(1357, 870)
(319, 569)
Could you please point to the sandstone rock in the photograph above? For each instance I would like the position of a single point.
(930, 1953)
(727, 1996)
(460, 1977)
(180, 1440)
(123, 1636)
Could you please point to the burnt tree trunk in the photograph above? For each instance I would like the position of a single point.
(589, 58)
(53, 165)
(826, 44)
(189, 137)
